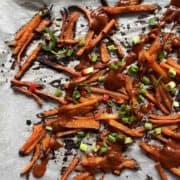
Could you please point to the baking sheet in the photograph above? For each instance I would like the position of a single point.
(15, 109)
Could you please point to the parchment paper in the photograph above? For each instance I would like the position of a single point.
(15, 109)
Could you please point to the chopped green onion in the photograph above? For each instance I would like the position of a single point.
(60, 52)
(58, 92)
(83, 147)
(172, 73)
(82, 42)
(125, 120)
(113, 66)
(128, 140)
(171, 85)
(110, 103)
(128, 120)
(142, 89)
(49, 128)
(141, 98)
(146, 80)
(53, 41)
(152, 22)
(102, 78)
(157, 131)
(69, 52)
(76, 95)
(103, 150)
(112, 47)
(95, 148)
(111, 138)
(156, 82)
(148, 126)
(133, 69)
(175, 104)
(120, 63)
(136, 40)
(161, 55)
(81, 134)
(78, 142)
(93, 57)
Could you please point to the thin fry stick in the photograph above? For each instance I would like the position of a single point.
(66, 133)
(173, 63)
(72, 20)
(29, 93)
(32, 162)
(162, 117)
(111, 93)
(101, 35)
(29, 39)
(160, 105)
(95, 76)
(114, 10)
(89, 37)
(26, 83)
(105, 57)
(77, 107)
(166, 99)
(83, 176)
(70, 169)
(175, 171)
(155, 66)
(155, 47)
(64, 25)
(86, 12)
(161, 171)
(168, 132)
(32, 24)
(68, 41)
(50, 96)
(123, 128)
(60, 67)
(37, 134)
(28, 62)
(164, 122)
(51, 112)
(79, 123)
(150, 97)
(44, 23)
(167, 67)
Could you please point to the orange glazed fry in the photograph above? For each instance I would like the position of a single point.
(29, 93)
(31, 25)
(28, 62)
(88, 39)
(31, 35)
(72, 20)
(83, 176)
(131, 132)
(101, 35)
(161, 171)
(104, 53)
(70, 169)
(60, 68)
(36, 136)
(50, 96)
(162, 117)
(32, 162)
(66, 133)
(165, 122)
(173, 63)
(167, 67)
(155, 66)
(114, 10)
(44, 23)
